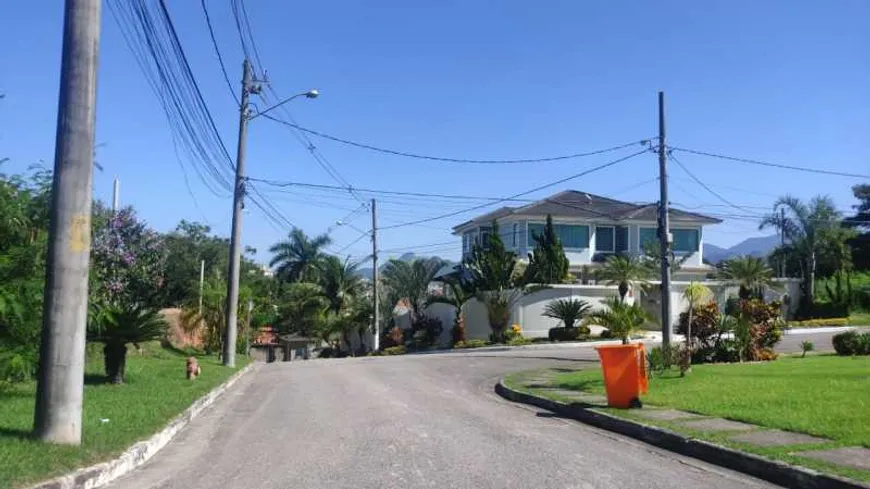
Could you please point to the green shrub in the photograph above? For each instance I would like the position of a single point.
(661, 358)
(606, 334)
(808, 323)
(580, 333)
(395, 350)
(821, 310)
(327, 352)
(705, 324)
(519, 341)
(865, 343)
(806, 346)
(726, 351)
(848, 343)
(470, 344)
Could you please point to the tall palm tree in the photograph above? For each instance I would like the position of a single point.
(750, 273)
(624, 271)
(339, 281)
(297, 257)
(805, 226)
(410, 280)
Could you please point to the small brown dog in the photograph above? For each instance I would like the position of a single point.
(193, 369)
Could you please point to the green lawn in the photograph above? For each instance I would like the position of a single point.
(822, 395)
(860, 318)
(155, 392)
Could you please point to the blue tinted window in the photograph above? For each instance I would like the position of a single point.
(686, 240)
(647, 235)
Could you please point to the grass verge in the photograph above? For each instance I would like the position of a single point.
(156, 391)
(822, 395)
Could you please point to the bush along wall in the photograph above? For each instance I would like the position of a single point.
(852, 343)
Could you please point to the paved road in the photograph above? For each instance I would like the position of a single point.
(409, 422)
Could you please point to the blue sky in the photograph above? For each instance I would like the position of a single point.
(783, 81)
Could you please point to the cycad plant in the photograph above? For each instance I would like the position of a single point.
(625, 271)
(569, 311)
(751, 274)
(117, 325)
(620, 318)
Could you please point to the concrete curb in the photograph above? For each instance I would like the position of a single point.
(774, 471)
(105, 472)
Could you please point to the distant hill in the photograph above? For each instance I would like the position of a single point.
(366, 272)
(752, 246)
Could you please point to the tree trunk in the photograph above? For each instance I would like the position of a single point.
(115, 357)
(811, 285)
(689, 327)
(623, 290)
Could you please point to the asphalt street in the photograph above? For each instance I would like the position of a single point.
(409, 422)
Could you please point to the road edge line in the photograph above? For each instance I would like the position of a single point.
(774, 471)
(140, 452)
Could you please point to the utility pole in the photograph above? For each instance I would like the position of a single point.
(116, 195)
(58, 413)
(376, 341)
(201, 284)
(664, 228)
(236, 238)
(782, 260)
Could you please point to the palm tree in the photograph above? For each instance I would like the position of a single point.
(410, 280)
(568, 311)
(339, 281)
(750, 273)
(695, 294)
(115, 326)
(620, 318)
(804, 225)
(625, 271)
(301, 309)
(297, 257)
(458, 293)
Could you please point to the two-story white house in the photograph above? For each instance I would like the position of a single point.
(591, 227)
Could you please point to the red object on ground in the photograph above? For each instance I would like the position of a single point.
(624, 368)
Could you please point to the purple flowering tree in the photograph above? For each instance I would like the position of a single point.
(127, 271)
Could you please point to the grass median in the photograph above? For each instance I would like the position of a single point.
(824, 395)
(115, 416)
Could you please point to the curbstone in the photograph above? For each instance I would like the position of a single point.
(101, 474)
(764, 468)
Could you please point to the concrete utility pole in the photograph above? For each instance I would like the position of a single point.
(782, 260)
(58, 413)
(201, 284)
(376, 341)
(229, 347)
(116, 195)
(664, 228)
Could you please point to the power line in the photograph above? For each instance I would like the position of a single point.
(452, 160)
(541, 187)
(217, 52)
(278, 183)
(773, 165)
(707, 188)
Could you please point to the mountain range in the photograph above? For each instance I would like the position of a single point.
(751, 246)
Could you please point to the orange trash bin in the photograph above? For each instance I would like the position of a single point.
(624, 368)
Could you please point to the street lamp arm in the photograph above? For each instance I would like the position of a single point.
(308, 94)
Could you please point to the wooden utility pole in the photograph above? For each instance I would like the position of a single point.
(376, 340)
(232, 303)
(664, 228)
(58, 413)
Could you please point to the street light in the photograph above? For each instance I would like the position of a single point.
(313, 93)
(342, 223)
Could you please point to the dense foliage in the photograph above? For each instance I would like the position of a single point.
(547, 262)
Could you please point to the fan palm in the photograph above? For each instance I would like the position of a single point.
(568, 311)
(410, 280)
(115, 326)
(805, 226)
(298, 256)
(625, 271)
(750, 273)
(620, 318)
